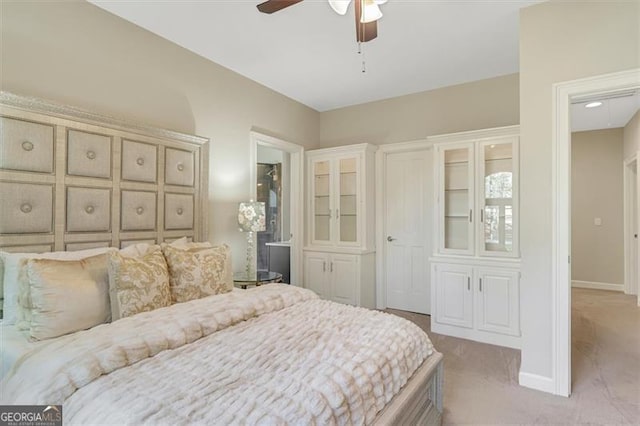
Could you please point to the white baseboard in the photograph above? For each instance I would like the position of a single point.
(534, 381)
(597, 286)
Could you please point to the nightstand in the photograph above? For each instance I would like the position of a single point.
(262, 277)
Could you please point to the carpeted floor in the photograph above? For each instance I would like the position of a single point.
(481, 381)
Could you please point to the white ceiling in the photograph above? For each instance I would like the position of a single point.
(615, 111)
(309, 53)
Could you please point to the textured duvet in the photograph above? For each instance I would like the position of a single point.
(275, 354)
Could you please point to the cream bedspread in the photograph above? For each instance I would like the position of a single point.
(275, 354)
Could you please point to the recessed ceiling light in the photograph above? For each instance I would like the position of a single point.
(593, 104)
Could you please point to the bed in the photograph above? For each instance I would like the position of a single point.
(276, 354)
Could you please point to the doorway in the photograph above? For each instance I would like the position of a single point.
(631, 226)
(405, 188)
(563, 94)
(276, 176)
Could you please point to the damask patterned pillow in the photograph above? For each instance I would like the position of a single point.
(198, 272)
(138, 284)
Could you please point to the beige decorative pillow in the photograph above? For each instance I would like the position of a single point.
(67, 295)
(138, 284)
(17, 292)
(198, 272)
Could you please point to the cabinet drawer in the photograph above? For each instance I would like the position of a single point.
(179, 167)
(88, 154)
(88, 209)
(138, 210)
(26, 208)
(139, 161)
(26, 145)
(178, 211)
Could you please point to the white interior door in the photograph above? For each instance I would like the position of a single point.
(408, 223)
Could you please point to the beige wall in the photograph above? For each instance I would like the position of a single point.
(631, 136)
(477, 105)
(559, 41)
(77, 54)
(597, 252)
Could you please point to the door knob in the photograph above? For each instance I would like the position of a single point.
(390, 238)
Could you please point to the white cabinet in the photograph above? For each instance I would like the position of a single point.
(477, 193)
(476, 302)
(475, 267)
(340, 277)
(498, 301)
(453, 293)
(315, 274)
(339, 251)
(340, 197)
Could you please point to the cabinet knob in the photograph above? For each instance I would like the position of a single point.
(26, 208)
(89, 209)
(390, 238)
(27, 146)
(91, 155)
(140, 210)
(140, 161)
(180, 167)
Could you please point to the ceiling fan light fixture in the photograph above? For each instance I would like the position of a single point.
(379, 1)
(370, 12)
(339, 6)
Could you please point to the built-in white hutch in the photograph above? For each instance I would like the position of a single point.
(339, 256)
(476, 265)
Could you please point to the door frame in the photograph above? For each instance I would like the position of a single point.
(561, 212)
(381, 164)
(630, 183)
(296, 213)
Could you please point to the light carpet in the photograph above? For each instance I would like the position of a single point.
(481, 381)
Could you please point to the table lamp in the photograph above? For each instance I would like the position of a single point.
(251, 218)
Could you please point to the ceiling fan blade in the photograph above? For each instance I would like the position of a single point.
(364, 32)
(271, 6)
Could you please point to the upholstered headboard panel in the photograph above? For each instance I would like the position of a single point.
(72, 180)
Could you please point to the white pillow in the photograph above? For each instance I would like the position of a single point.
(12, 270)
(184, 243)
(136, 250)
(67, 295)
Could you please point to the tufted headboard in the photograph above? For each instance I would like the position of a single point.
(72, 180)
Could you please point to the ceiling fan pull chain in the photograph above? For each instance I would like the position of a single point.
(364, 61)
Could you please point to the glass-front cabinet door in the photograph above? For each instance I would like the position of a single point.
(322, 214)
(335, 201)
(498, 197)
(456, 198)
(347, 200)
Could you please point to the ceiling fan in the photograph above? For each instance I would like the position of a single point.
(367, 13)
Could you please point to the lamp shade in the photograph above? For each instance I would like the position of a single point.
(251, 216)
(340, 6)
(370, 12)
